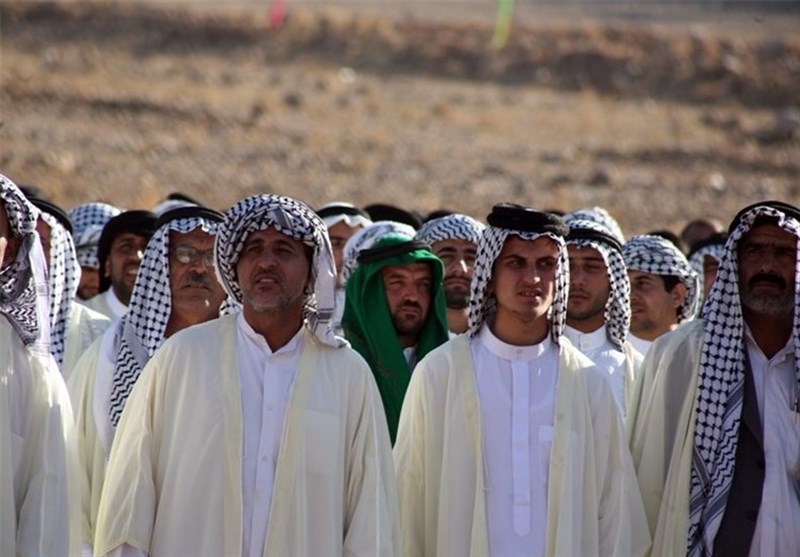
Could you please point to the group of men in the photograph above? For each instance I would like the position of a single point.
(274, 380)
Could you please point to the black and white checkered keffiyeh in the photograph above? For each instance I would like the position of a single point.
(141, 331)
(65, 274)
(600, 216)
(618, 306)
(451, 227)
(366, 238)
(720, 386)
(88, 221)
(697, 260)
(482, 305)
(296, 220)
(23, 282)
(655, 255)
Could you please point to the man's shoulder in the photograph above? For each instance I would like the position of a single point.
(441, 361)
(688, 335)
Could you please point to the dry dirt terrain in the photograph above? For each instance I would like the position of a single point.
(660, 114)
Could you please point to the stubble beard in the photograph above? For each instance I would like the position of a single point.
(456, 299)
(765, 304)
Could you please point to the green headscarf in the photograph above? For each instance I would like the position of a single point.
(368, 325)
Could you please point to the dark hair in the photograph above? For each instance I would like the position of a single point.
(670, 282)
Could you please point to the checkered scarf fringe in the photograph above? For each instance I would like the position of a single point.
(655, 255)
(64, 277)
(366, 238)
(482, 305)
(295, 219)
(23, 282)
(451, 227)
(617, 314)
(720, 389)
(140, 332)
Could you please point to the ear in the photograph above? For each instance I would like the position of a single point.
(678, 295)
(107, 268)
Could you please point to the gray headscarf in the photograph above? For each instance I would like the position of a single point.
(365, 238)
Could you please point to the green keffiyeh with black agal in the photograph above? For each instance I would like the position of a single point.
(368, 326)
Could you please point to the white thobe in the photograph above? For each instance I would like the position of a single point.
(84, 327)
(778, 525)
(175, 476)
(516, 388)
(621, 366)
(641, 345)
(38, 476)
(108, 304)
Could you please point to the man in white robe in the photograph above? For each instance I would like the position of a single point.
(175, 288)
(37, 466)
(665, 290)
(716, 428)
(259, 433)
(454, 239)
(510, 440)
(119, 251)
(599, 310)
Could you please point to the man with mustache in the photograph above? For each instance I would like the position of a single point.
(598, 312)
(258, 433)
(175, 288)
(394, 313)
(454, 239)
(119, 252)
(665, 290)
(716, 434)
(510, 441)
(38, 509)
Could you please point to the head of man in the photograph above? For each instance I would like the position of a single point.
(521, 276)
(589, 288)
(664, 288)
(698, 230)
(408, 295)
(120, 251)
(88, 221)
(342, 220)
(767, 258)
(705, 257)
(274, 257)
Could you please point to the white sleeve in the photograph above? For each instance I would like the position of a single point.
(126, 550)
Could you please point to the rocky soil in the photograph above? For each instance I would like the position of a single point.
(659, 116)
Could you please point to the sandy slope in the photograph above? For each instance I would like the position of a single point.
(657, 120)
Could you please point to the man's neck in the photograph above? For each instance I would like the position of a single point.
(652, 334)
(770, 332)
(457, 320)
(178, 322)
(517, 332)
(124, 300)
(585, 326)
(277, 329)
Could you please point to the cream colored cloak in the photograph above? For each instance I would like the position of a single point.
(594, 507)
(84, 327)
(174, 479)
(38, 499)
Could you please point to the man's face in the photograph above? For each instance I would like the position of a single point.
(196, 293)
(767, 260)
(710, 268)
(122, 264)
(89, 285)
(653, 308)
(523, 278)
(588, 285)
(458, 257)
(273, 272)
(9, 245)
(44, 238)
(408, 295)
(339, 233)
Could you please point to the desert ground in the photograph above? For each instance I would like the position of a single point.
(658, 112)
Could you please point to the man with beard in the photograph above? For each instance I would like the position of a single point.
(258, 433)
(38, 504)
(175, 288)
(598, 312)
(716, 439)
(394, 313)
(664, 289)
(454, 239)
(119, 252)
(510, 441)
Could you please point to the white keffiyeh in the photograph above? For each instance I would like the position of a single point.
(600, 216)
(720, 385)
(296, 220)
(658, 256)
(141, 331)
(451, 227)
(88, 221)
(617, 315)
(366, 238)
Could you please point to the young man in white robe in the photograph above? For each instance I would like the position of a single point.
(259, 433)
(665, 290)
(454, 239)
(716, 430)
(176, 287)
(38, 473)
(599, 310)
(510, 440)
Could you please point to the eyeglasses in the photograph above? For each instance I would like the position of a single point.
(188, 255)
